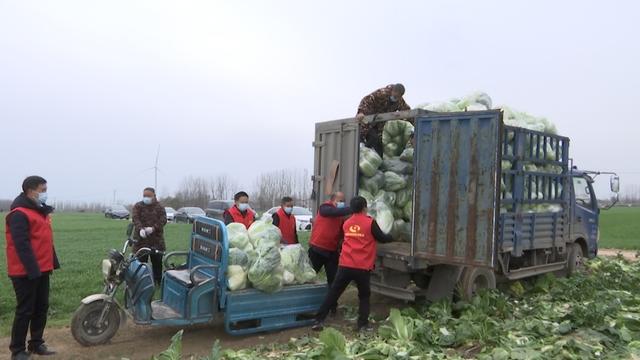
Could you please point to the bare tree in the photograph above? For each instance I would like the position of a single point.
(222, 187)
(270, 187)
(193, 191)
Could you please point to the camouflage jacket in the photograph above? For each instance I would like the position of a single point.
(149, 216)
(378, 102)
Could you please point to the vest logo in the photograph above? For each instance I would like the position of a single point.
(354, 228)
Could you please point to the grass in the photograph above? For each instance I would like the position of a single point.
(620, 228)
(82, 240)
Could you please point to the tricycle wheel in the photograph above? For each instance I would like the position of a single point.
(85, 329)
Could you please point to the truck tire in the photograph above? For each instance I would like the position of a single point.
(475, 279)
(84, 329)
(575, 258)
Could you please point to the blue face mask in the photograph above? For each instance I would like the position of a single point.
(42, 197)
(340, 204)
(288, 210)
(243, 207)
(147, 200)
(393, 98)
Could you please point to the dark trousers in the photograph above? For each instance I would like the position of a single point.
(156, 266)
(345, 275)
(329, 260)
(32, 304)
(373, 140)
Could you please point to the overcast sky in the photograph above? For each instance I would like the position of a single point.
(89, 90)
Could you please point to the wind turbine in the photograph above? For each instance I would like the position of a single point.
(155, 169)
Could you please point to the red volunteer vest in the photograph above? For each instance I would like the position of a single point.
(327, 231)
(359, 246)
(287, 227)
(41, 237)
(246, 219)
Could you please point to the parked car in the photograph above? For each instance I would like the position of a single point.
(171, 212)
(187, 214)
(116, 212)
(216, 208)
(303, 217)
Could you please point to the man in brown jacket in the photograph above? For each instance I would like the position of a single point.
(384, 100)
(149, 218)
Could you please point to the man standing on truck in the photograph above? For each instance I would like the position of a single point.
(240, 212)
(384, 100)
(326, 235)
(357, 260)
(286, 221)
(149, 218)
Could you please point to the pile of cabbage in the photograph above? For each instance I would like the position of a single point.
(387, 182)
(258, 260)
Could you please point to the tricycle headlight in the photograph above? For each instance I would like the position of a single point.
(107, 265)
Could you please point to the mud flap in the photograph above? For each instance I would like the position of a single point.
(443, 282)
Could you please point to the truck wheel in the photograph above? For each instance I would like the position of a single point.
(575, 259)
(84, 328)
(475, 279)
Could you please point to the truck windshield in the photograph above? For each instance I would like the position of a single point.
(582, 192)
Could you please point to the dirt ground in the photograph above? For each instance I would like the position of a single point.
(141, 342)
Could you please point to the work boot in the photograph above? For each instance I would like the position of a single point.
(317, 325)
(41, 350)
(22, 355)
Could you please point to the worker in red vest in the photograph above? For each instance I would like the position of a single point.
(286, 221)
(240, 212)
(326, 236)
(31, 257)
(357, 260)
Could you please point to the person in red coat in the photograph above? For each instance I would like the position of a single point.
(31, 258)
(286, 221)
(240, 212)
(357, 260)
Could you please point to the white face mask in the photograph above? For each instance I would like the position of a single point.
(147, 200)
(393, 98)
(243, 206)
(42, 197)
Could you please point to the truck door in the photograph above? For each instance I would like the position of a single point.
(335, 165)
(456, 196)
(585, 214)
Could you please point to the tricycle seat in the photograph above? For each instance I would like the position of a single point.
(183, 277)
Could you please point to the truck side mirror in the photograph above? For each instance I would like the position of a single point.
(130, 229)
(615, 183)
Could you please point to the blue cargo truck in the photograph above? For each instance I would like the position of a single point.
(490, 202)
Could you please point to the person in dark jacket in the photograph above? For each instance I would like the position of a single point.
(326, 235)
(384, 100)
(149, 218)
(286, 221)
(31, 257)
(240, 212)
(357, 260)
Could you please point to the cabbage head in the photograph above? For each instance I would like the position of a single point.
(394, 182)
(372, 184)
(238, 236)
(296, 261)
(394, 164)
(266, 273)
(407, 155)
(238, 257)
(383, 215)
(369, 161)
(408, 210)
(403, 197)
(236, 277)
(264, 232)
(401, 231)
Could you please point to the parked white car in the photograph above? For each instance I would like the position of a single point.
(303, 217)
(171, 212)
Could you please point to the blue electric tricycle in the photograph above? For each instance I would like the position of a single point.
(193, 293)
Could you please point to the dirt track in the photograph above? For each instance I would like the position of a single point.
(628, 254)
(139, 342)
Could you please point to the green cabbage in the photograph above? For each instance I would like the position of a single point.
(401, 231)
(238, 236)
(369, 161)
(296, 261)
(398, 213)
(238, 257)
(266, 273)
(397, 166)
(387, 197)
(394, 182)
(366, 195)
(383, 215)
(236, 277)
(372, 184)
(391, 149)
(408, 210)
(263, 232)
(403, 197)
(407, 155)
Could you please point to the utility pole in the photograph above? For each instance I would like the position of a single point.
(114, 197)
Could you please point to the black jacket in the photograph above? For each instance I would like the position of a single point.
(18, 224)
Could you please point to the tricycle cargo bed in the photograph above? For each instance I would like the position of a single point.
(251, 311)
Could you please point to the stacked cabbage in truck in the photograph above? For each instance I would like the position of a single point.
(470, 200)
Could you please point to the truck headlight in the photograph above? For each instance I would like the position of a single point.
(107, 266)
